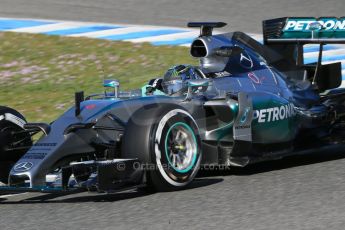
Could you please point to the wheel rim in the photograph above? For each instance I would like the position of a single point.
(181, 147)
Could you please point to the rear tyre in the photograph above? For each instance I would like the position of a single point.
(168, 144)
(11, 122)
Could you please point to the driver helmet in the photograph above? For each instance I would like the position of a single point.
(174, 80)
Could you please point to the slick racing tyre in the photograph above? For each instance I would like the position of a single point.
(167, 143)
(11, 125)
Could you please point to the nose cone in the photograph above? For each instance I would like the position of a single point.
(43, 157)
(46, 156)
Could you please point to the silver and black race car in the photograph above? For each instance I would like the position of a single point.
(246, 102)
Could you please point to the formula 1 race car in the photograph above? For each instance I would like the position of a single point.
(247, 102)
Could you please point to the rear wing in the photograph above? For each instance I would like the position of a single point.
(288, 35)
(304, 30)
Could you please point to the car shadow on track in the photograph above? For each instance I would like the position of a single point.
(96, 197)
(204, 178)
(284, 163)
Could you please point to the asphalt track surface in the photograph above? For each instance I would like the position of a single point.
(296, 193)
(244, 15)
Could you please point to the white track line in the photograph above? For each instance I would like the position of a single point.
(50, 27)
(329, 62)
(11, 195)
(102, 33)
(325, 53)
(168, 37)
(257, 37)
(342, 85)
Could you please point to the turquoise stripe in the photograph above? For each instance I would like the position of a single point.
(8, 24)
(173, 42)
(81, 30)
(142, 34)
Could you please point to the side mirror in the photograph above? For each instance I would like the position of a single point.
(228, 51)
(195, 86)
(114, 84)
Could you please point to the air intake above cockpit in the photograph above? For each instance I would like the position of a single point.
(206, 28)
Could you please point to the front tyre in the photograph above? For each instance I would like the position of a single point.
(176, 151)
(13, 141)
(165, 139)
